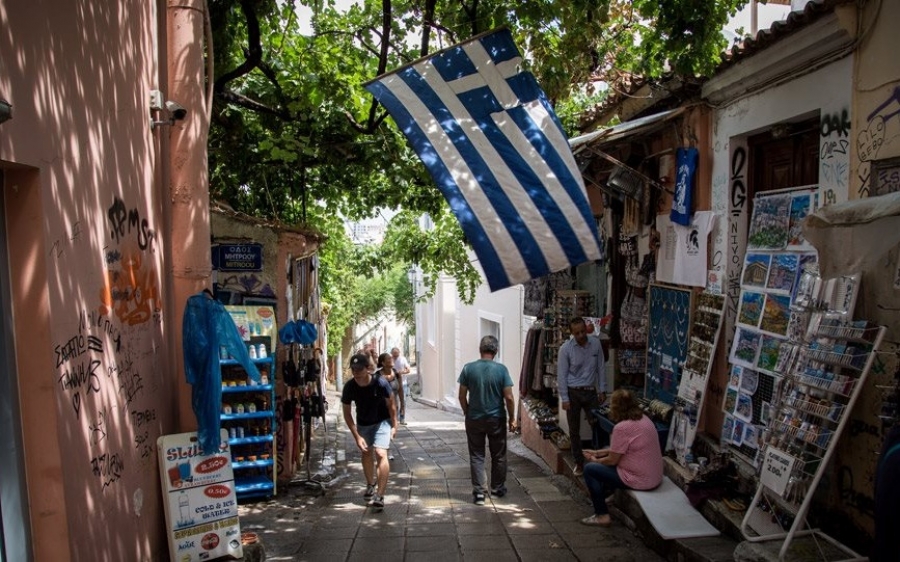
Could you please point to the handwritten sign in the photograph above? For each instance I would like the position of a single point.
(776, 471)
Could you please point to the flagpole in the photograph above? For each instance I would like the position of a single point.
(434, 54)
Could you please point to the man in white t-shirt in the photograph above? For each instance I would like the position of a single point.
(401, 365)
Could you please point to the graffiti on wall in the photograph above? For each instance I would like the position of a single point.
(834, 156)
(736, 242)
(102, 364)
(870, 140)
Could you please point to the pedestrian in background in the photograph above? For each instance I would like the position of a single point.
(484, 388)
(387, 371)
(375, 425)
(401, 365)
(580, 376)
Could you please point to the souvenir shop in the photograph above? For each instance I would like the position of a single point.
(270, 424)
(795, 355)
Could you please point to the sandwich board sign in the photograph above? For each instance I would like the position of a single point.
(200, 503)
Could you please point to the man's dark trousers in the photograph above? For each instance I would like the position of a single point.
(492, 430)
(579, 401)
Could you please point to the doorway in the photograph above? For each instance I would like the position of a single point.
(787, 155)
(15, 535)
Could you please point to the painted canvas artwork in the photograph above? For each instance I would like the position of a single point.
(751, 436)
(776, 314)
(745, 346)
(738, 436)
(731, 396)
(756, 270)
(749, 381)
(769, 351)
(800, 207)
(727, 428)
(734, 381)
(770, 223)
(783, 272)
(744, 408)
(751, 308)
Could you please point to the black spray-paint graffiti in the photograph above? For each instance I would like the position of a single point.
(80, 377)
(131, 384)
(98, 432)
(738, 202)
(850, 496)
(837, 123)
(834, 164)
(124, 221)
(143, 444)
(108, 468)
(870, 141)
(77, 346)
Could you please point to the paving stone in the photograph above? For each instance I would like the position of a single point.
(432, 544)
(491, 528)
(484, 542)
(489, 556)
(378, 544)
(430, 529)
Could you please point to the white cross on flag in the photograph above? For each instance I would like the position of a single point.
(488, 136)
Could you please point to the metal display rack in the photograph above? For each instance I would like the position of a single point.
(248, 413)
(824, 378)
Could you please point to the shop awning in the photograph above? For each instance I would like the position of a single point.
(623, 130)
(854, 236)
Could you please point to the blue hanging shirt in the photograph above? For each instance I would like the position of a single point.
(685, 173)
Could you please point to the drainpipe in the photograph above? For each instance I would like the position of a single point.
(189, 180)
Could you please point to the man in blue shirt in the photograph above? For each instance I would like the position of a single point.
(581, 377)
(484, 387)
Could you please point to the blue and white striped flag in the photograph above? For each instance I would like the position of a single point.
(489, 138)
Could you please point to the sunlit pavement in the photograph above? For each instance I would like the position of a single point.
(429, 514)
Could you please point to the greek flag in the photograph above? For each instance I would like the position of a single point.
(489, 138)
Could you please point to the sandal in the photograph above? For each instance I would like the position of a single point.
(594, 521)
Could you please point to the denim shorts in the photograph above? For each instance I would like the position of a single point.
(378, 434)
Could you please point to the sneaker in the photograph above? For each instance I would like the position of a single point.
(370, 492)
(595, 521)
(378, 502)
(390, 457)
(578, 470)
(498, 491)
(479, 498)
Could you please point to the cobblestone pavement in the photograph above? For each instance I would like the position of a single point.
(429, 514)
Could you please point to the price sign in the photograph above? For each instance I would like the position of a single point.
(201, 507)
(776, 471)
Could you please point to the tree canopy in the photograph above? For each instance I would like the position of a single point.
(296, 138)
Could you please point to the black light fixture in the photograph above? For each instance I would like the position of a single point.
(5, 110)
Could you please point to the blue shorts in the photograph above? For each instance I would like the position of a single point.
(378, 434)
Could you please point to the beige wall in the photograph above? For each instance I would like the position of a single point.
(87, 237)
(875, 136)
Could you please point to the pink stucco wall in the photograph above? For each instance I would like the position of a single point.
(87, 235)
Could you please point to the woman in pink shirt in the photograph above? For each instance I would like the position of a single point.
(633, 459)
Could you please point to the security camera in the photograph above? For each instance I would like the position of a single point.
(176, 110)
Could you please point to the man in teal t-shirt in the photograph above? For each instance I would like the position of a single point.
(484, 387)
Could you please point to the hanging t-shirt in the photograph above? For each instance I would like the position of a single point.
(682, 257)
(685, 172)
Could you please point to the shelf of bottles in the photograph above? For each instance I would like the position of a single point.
(248, 414)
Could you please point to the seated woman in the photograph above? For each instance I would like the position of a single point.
(633, 459)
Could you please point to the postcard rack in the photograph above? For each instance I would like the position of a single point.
(824, 377)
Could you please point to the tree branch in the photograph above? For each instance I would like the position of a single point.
(427, 18)
(247, 103)
(253, 53)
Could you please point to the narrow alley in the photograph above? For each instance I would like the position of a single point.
(429, 514)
